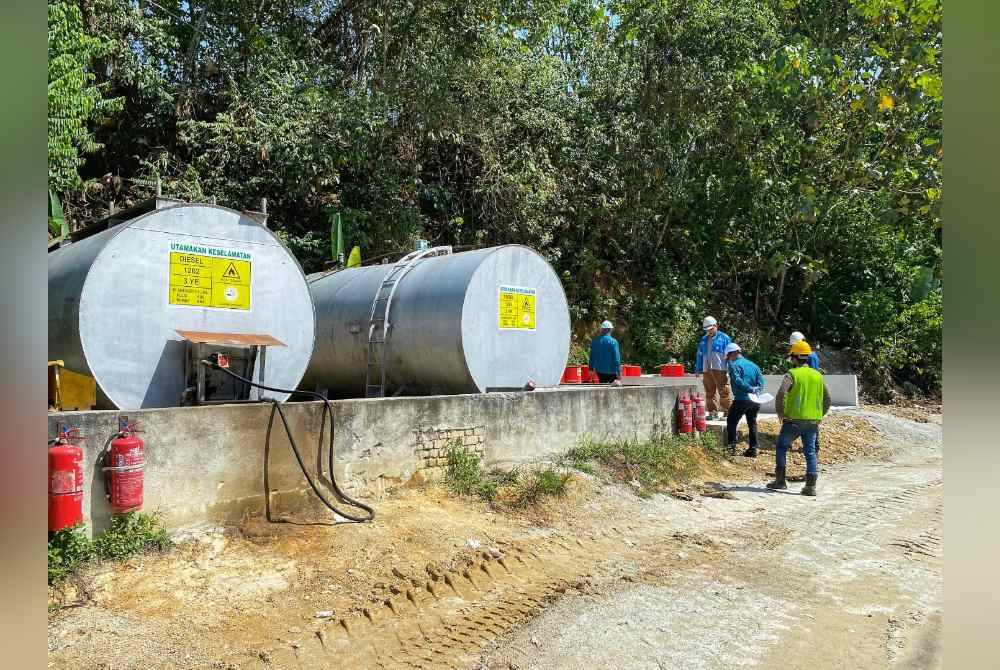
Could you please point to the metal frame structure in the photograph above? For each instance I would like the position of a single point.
(379, 326)
(202, 344)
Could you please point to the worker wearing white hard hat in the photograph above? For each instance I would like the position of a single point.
(606, 356)
(710, 363)
(813, 360)
(745, 378)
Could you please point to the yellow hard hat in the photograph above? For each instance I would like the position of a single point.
(800, 348)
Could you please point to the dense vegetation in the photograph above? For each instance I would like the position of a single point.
(776, 163)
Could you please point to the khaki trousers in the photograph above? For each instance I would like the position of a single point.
(716, 382)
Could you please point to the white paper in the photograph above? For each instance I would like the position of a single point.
(761, 399)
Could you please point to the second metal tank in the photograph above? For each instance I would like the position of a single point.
(469, 322)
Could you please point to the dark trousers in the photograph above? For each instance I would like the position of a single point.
(606, 378)
(737, 410)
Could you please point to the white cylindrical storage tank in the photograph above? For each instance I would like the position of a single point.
(117, 298)
(460, 323)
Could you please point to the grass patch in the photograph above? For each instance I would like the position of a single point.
(128, 535)
(654, 464)
(465, 476)
(69, 548)
(131, 534)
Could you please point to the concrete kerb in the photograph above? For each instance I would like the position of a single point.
(205, 464)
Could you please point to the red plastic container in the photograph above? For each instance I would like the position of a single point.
(571, 375)
(631, 371)
(586, 376)
(672, 370)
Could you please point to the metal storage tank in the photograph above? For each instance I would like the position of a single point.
(117, 297)
(469, 322)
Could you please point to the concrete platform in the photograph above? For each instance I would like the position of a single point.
(204, 464)
(843, 388)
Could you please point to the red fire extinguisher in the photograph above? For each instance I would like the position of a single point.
(700, 423)
(65, 480)
(684, 414)
(123, 469)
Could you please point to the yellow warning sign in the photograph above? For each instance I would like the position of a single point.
(209, 277)
(517, 308)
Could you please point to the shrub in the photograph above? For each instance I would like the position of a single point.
(130, 534)
(68, 549)
(465, 476)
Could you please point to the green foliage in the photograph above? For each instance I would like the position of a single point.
(465, 476)
(543, 483)
(57, 220)
(130, 534)
(777, 164)
(75, 100)
(68, 549)
(653, 464)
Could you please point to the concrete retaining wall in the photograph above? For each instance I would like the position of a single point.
(205, 464)
(843, 388)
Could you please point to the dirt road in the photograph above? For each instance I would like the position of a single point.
(604, 579)
(851, 579)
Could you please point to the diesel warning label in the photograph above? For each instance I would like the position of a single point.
(517, 308)
(209, 277)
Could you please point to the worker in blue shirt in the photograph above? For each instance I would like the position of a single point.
(745, 378)
(710, 363)
(606, 356)
(813, 360)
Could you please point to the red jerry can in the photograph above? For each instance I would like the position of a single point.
(571, 375)
(65, 483)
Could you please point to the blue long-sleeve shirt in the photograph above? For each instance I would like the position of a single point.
(719, 343)
(605, 355)
(745, 378)
(813, 361)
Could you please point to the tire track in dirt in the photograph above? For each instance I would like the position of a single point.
(448, 619)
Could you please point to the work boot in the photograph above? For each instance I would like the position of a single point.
(810, 488)
(751, 452)
(779, 480)
(731, 450)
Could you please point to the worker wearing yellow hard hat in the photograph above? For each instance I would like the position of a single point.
(802, 402)
(813, 360)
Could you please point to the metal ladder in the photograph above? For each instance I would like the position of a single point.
(379, 327)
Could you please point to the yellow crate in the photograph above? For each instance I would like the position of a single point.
(68, 390)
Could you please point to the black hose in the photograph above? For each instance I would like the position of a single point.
(327, 410)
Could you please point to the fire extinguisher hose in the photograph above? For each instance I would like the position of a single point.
(327, 411)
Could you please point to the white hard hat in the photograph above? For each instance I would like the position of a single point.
(731, 347)
(606, 325)
(796, 337)
(709, 321)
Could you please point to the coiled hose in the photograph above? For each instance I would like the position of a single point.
(327, 410)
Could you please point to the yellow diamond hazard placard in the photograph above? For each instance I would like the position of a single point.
(203, 276)
(517, 308)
